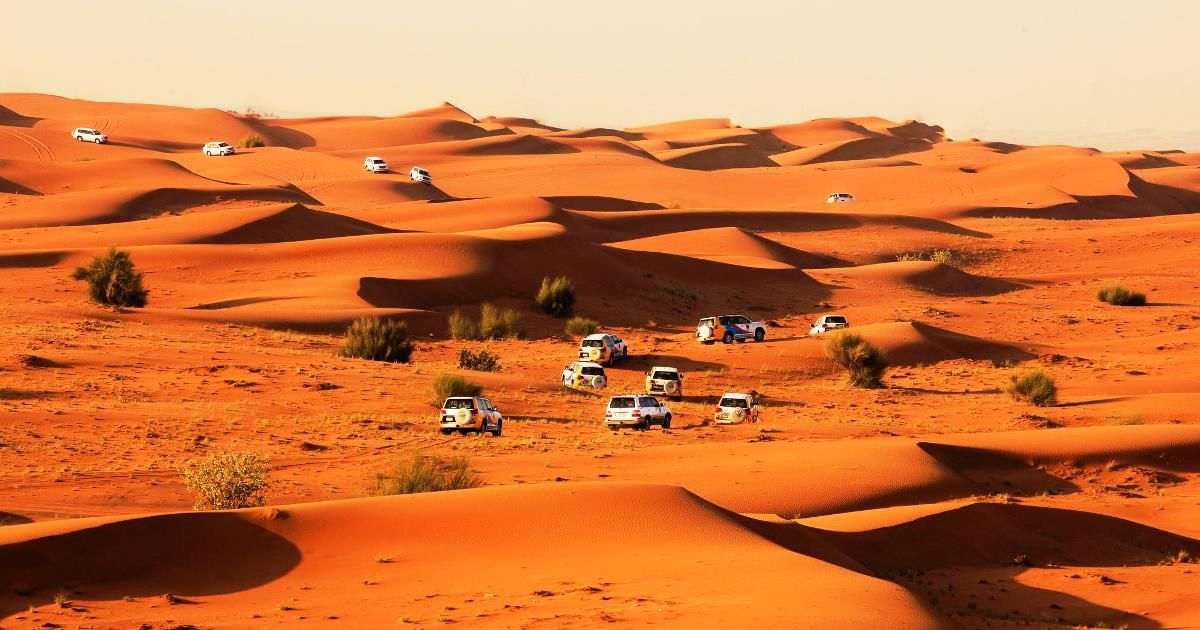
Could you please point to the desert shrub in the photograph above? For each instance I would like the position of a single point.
(252, 140)
(463, 327)
(449, 385)
(425, 473)
(557, 296)
(945, 256)
(580, 326)
(498, 323)
(378, 340)
(482, 361)
(1120, 296)
(1035, 387)
(863, 362)
(112, 280)
(226, 481)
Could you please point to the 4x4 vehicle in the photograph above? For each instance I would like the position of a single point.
(665, 381)
(471, 414)
(728, 328)
(219, 148)
(839, 198)
(826, 323)
(83, 134)
(375, 164)
(636, 411)
(584, 374)
(603, 348)
(418, 174)
(736, 408)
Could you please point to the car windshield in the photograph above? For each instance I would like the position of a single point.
(621, 403)
(836, 319)
(592, 343)
(222, 144)
(738, 403)
(460, 403)
(665, 376)
(376, 161)
(592, 370)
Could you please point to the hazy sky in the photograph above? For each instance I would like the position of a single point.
(1103, 73)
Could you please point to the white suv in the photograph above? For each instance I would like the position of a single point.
(826, 323)
(636, 411)
(219, 148)
(418, 174)
(83, 134)
(665, 381)
(736, 408)
(728, 328)
(839, 198)
(471, 414)
(603, 348)
(375, 165)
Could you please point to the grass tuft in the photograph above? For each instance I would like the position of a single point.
(425, 473)
(378, 340)
(1035, 387)
(863, 362)
(1120, 296)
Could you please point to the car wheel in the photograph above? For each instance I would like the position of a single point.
(614, 428)
(499, 428)
(446, 431)
(666, 422)
(728, 338)
(97, 140)
(760, 334)
(708, 343)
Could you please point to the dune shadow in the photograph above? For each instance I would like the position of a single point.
(190, 555)
(599, 203)
(1097, 401)
(7, 393)
(281, 136)
(30, 259)
(13, 188)
(8, 518)
(925, 390)
(236, 302)
(996, 472)
(9, 118)
(644, 362)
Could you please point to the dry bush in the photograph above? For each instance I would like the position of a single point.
(580, 326)
(452, 386)
(557, 296)
(1035, 387)
(251, 141)
(425, 473)
(498, 323)
(463, 327)
(1120, 296)
(481, 361)
(378, 340)
(227, 481)
(863, 362)
(112, 280)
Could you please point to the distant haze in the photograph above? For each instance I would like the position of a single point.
(1085, 72)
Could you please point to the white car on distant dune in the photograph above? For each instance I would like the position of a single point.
(84, 134)
(375, 164)
(839, 198)
(420, 175)
(219, 148)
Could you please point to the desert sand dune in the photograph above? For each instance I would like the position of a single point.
(934, 501)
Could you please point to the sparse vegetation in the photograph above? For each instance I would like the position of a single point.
(251, 141)
(425, 473)
(450, 385)
(864, 363)
(481, 361)
(1035, 387)
(112, 280)
(1120, 296)
(580, 326)
(943, 255)
(378, 340)
(62, 599)
(1122, 421)
(227, 481)
(494, 323)
(557, 296)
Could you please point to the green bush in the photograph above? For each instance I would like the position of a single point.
(227, 481)
(425, 473)
(863, 362)
(1120, 296)
(1035, 387)
(463, 327)
(451, 386)
(252, 140)
(498, 323)
(111, 280)
(557, 296)
(580, 326)
(378, 340)
(482, 361)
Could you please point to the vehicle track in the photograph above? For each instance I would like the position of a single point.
(40, 149)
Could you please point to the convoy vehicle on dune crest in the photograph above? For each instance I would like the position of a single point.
(839, 198)
(466, 414)
(420, 175)
(584, 375)
(826, 323)
(666, 381)
(603, 348)
(85, 134)
(729, 328)
(219, 148)
(735, 408)
(636, 411)
(375, 164)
